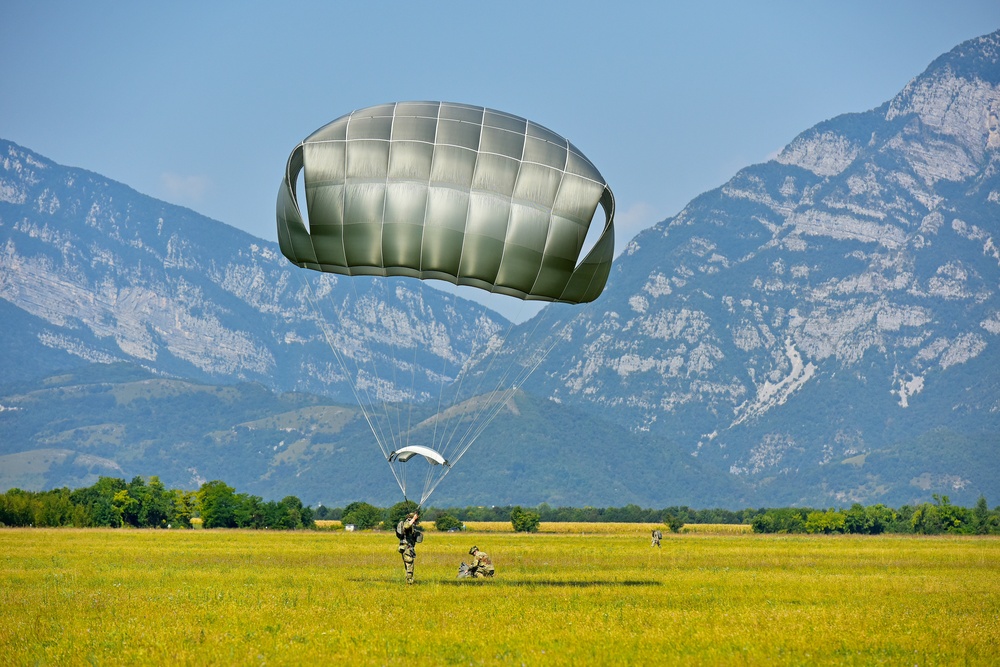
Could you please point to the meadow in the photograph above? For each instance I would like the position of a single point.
(228, 597)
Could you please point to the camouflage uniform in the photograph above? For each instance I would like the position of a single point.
(481, 565)
(657, 536)
(408, 535)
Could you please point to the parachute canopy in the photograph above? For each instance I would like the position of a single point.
(404, 454)
(448, 191)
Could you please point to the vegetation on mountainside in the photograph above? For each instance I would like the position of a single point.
(115, 420)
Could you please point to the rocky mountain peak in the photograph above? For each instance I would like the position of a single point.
(788, 319)
(824, 328)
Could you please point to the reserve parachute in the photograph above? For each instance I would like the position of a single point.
(464, 194)
(404, 454)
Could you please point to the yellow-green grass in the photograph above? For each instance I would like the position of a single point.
(570, 527)
(722, 528)
(606, 528)
(128, 597)
(565, 527)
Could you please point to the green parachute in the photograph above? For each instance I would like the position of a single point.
(452, 192)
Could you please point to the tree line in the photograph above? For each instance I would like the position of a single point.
(936, 518)
(933, 518)
(364, 514)
(147, 503)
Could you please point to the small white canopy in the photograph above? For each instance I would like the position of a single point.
(404, 454)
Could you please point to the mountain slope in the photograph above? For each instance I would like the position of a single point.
(822, 329)
(122, 421)
(837, 301)
(101, 273)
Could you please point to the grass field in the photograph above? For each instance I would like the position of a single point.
(577, 528)
(127, 597)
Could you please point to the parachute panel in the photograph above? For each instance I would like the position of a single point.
(504, 142)
(461, 193)
(456, 192)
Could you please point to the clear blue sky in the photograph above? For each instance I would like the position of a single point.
(199, 104)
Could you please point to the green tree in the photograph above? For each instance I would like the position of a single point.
(137, 491)
(158, 505)
(398, 512)
(292, 515)
(903, 521)
(184, 503)
(124, 505)
(830, 521)
(252, 512)
(218, 505)
(879, 518)
(81, 517)
(362, 515)
(53, 508)
(856, 520)
(673, 521)
(15, 509)
(631, 513)
(103, 513)
(524, 521)
(303, 515)
(780, 520)
(762, 523)
(927, 520)
(981, 516)
(941, 517)
(446, 522)
(99, 502)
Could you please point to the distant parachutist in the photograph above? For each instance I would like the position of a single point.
(404, 454)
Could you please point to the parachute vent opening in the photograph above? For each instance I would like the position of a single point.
(300, 197)
(602, 216)
(593, 235)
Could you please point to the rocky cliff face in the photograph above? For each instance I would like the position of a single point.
(838, 300)
(93, 271)
(822, 329)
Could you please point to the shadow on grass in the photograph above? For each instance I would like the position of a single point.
(522, 583)
(532, 583)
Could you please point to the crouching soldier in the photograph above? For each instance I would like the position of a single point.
(481, 565)
(657, 536)
(409, 535)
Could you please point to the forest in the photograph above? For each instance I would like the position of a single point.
(146, 503)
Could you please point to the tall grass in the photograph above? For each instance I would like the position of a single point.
(117, 597)
(568, 527)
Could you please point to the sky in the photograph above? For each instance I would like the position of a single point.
(200, 103)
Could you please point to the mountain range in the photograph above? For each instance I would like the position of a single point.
(820, 330)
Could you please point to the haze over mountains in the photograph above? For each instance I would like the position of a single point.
(821, 330)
